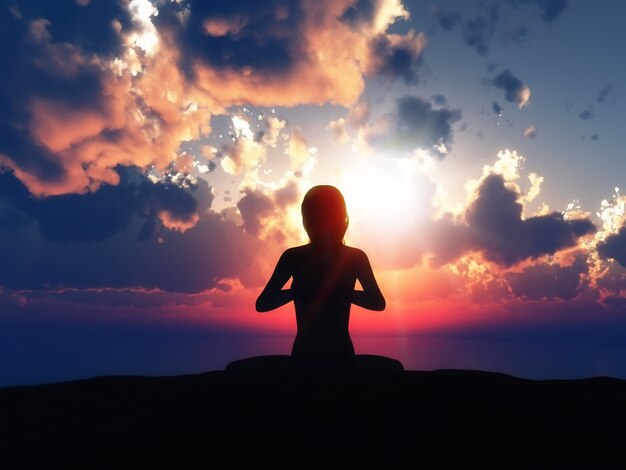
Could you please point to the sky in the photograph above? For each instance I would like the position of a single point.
(154, 155)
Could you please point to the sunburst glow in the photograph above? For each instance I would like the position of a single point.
(383, 192)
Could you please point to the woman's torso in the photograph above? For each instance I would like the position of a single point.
(322, 286)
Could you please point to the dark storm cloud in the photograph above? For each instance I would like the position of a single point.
(415, 124)
(502, 235)
(237, 34)
(544, 281)
(86, 27)
(397, 57)
(512, 86)
(203, 257)
(494, 226)
(34, 69)
(102, 214)
(614, 246)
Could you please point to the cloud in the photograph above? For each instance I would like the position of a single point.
(497, 229)
(124, 298)
(517, 34)
(514, 90)
(265, 212)
(246, 150)
(85, 97)
(530, 132)
(118, 83)
(586, 114)
(610, 281)
(279, 53)
(491, 228)
(535, 186)
(298, 149)
(477, 32)
(339, 131)
(493, 223)
(46, 73)
(447, 19)
(287, 195)
(208, 254)
(414, 124)
(549, 281)
(104, 213)
(359, 115)
(375, 15)
(550, 9)
(269, 135)
(605, 93)
(614, 246)
(439, 100)
(496, 108)
(396, 56)
(254, 206)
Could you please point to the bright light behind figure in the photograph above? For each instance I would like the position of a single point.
(384, 194)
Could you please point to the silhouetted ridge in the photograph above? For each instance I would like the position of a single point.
(237, 419)
(282, 364)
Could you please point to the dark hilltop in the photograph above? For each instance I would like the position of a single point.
(373, 416)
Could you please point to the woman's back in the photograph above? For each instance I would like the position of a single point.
(323, 284)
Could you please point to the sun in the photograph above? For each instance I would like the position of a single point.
(383, 192)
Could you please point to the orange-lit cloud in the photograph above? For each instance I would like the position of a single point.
(138, 102)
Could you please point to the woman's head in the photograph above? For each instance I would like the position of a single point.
(324, 214)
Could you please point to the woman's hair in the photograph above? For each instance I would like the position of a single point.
(324, 213)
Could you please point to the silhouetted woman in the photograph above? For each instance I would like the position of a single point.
(324, 274)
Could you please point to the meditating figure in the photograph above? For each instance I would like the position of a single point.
(324, 274)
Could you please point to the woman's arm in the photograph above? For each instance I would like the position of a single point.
(370, 297)
(274, 296)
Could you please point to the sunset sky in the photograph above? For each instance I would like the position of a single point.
(154, 154)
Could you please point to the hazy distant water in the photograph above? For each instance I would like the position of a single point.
(32, 362)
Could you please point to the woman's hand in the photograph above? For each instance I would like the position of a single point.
(269, 300)
(370, 297)
(274, 296)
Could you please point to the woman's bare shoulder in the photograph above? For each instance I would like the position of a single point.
(295, 251)
(355, 253)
